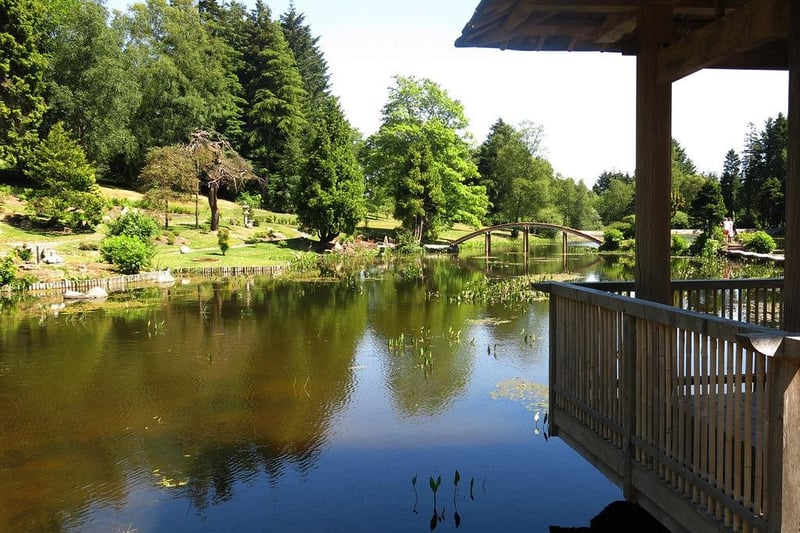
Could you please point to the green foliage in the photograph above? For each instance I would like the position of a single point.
(129, 254)
(224, 239)
(169, 175)
(678, 245)
(760, 242)
(708, 208)
(24, 253)
(8, 271)
(275, 121)
(420, 158)
(67, 193)
(332, 186)
(134, 224)
(680, 220)
(22, 65)
(250, 199)
(615, 200)
(764, 175)
(406, 243)
(90, 86)
(707, 245)
(612, 240)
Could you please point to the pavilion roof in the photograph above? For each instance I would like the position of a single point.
(742, 34)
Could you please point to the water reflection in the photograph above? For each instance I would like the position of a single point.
(259, 402)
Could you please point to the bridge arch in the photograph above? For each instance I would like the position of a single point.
(526, 226)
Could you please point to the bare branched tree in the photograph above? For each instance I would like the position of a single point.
(217, 165)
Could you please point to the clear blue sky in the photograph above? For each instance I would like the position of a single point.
(584, 101)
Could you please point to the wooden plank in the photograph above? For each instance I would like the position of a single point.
(747, 28)
(791, 294)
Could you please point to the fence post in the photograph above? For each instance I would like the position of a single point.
(628, 394)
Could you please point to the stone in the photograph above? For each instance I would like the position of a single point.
(185, 249)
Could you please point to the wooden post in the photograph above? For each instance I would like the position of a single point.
(628, 393)
(525, 242)
(555, 327)
(783, 476)
(653, 158)
(487, 243)
(564, 243)
(791, 283)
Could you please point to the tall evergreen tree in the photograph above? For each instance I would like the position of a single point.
(486, 158)
(22, 67)
(275, 121)
(731, 181)
(309, 58)
(331, 192)
(764, 174)
(708, 208)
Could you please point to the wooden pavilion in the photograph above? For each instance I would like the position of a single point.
(686, 395)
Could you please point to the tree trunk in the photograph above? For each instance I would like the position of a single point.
(212, 203)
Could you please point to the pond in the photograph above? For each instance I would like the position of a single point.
(265, 404)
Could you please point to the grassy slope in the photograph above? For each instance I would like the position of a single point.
(82, 262)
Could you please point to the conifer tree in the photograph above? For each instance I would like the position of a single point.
(22, 67)
(309, 58)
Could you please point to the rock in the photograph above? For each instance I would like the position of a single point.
(165, 276)
(185, 249)
(50, 257)
(96, 292)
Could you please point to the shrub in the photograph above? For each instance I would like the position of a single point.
(680, 220)
(24, 253)
(679, 245)
(706, 246)
(8, 271)
(224, 239)
(88, 246)
(134, 224)
(612, 239)
(129, 254)
(759, 242)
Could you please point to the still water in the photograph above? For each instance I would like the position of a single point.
(280, 406)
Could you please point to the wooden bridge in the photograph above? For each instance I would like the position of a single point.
(526, 228)
(686, 407)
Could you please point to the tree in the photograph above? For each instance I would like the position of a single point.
(217, 166)
(708, 208)
(616, 200)
(420, 157)
(310, 62)
(67, 193)
(275, 121)
(170, 174)
(183, 71)
(764, 174)
(22, 67)
(89, 86)
(731, 181)
(331, 192)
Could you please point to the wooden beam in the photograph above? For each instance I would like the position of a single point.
(653, 159)
(749, 27)
(791, 290)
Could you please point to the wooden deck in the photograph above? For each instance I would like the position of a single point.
(682, 409)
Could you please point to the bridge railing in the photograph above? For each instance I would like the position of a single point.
(752, 300)
(677, 407)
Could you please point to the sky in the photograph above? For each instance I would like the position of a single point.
(584, 101)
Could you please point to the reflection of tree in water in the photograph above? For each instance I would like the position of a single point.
(240, 380)
(214, 471)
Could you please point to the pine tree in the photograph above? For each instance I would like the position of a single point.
(731, 181)
(22, 67)
(331, 197)
(275, 121)
(309, 58)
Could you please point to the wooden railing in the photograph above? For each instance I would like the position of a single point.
(677, 407)
(755, 301)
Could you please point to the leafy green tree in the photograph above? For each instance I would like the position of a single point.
(89, 86)
(708, 207)
(331, 192)
(275, 121)
(67, 192)
(129, 254)
(183, 71)
(616, 200)
(420, 156)
(169, 175)
(574, 202)
(22, 67)
(603, 180)
(224, 239)
(731, 181)
(133, 224)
